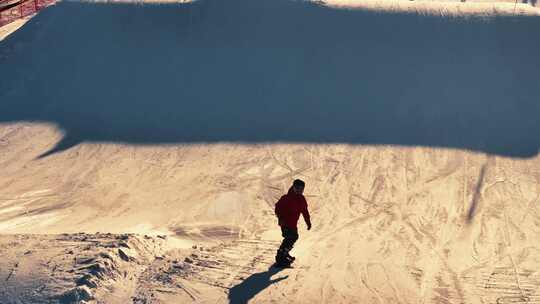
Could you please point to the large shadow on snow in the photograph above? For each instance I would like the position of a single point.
(256, 71)
(251, 286)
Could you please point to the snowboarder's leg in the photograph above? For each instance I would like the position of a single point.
(289, 238)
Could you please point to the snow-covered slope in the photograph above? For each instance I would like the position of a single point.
(230, 71)
(416, 136)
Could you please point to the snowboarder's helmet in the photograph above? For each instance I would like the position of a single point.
(298, 183)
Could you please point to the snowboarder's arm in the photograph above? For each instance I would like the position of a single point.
(277, 211)
(305, 214)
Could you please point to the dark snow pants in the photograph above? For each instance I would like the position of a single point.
(289, 238)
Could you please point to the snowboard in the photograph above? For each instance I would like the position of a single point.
(284, 264)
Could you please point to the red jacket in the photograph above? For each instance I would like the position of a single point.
(289, 207)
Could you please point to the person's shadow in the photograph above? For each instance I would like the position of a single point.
(255, 283)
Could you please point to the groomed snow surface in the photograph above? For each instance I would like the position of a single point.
(143, 146)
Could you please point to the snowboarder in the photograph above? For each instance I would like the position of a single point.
(288, 210)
